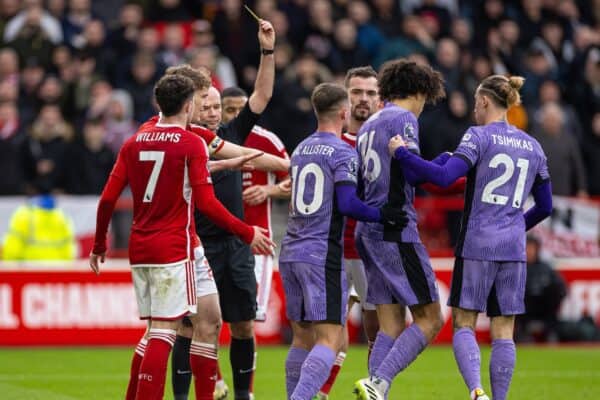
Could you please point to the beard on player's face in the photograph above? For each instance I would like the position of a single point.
(361, 112)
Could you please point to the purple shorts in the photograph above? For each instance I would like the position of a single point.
(492, 286)
(397, 272)
(314, 293)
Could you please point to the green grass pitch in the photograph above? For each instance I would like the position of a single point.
(544, 373)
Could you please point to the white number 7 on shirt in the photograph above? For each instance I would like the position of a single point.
(158, 157)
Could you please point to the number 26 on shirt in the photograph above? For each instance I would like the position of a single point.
(299, 181)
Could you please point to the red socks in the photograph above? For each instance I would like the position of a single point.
(136, 361)
(335, 370)
(153, 370)
(203, 360)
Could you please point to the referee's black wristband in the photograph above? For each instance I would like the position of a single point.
(266, 52)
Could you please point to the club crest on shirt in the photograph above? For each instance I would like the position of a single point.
(466, 137)
(353, 166)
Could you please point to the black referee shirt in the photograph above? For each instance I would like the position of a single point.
(228, 184)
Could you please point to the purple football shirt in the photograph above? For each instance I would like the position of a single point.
(505, 164)
(381, 177)
(315, 225)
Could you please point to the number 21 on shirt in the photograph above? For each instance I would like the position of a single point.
(502, 159)
(299, 188)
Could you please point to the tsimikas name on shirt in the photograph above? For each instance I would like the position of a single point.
(158, 137)
(512, 142)
(317, 149)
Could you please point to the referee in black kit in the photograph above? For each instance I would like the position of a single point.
(231, 260)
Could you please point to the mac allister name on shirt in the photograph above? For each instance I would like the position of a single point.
(317, 149)
(512, 142)
(158, 137)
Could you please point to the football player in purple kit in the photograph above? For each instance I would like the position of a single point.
(323, 171)
(399, 272)
(503, 166)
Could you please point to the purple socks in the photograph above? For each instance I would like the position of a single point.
(405, 350)
(314, 372)
(468, 357)
(502, 365)
(382, 346)
(293, 365)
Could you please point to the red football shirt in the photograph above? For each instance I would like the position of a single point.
(267, 142)
(349, 246)
(213, 142)
(161, 163)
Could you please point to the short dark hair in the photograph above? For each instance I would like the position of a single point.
(200, 78)
(401, 78)
(233, 91)
(327, 97)
(171, 93)
(361, 72)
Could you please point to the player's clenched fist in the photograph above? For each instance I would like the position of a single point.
(395, 143)
(393, 216)
(261, 244)
(266, 35)
(95, 259)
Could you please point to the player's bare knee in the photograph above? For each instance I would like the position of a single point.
(463, 319)
(502, 327)
(242, 329)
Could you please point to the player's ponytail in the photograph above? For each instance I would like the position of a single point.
(502, 90)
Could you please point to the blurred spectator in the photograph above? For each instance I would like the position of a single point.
(564, 157)
(585, 91)
(172, 50)
(550, 93)
(38, 231)
(8, 9)
(32, 77)
(537, 70)
(32, 14)
(51, 91)
(487, 16)
(124, 37)
(141, 86)
(558, 51)
(346, 53)
(100, 97)
(591, 156)
(11, 135)
(531, 16)
(462, 33)
(235, 35)
(93, 43)
(31, 41)
(89, 161)
(415, 39)
(370, 37)
(84, 77)
(447, 61)
(79, 14)
(387, 16)
(544, 291)
(320, 35)
(118, 120)
(290, 110)
(9, 66)
(42, 154)
(435, 17)
(170, 10)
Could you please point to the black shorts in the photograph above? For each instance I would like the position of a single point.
(232, 263)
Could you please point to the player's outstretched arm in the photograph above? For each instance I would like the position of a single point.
(242, 163)
(266, 163)
(542, 194)
(207, 203)
(106, 206)
(420, 170)
(265, 77)
(258, 194)
(350, 205)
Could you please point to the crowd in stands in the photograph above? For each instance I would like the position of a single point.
(76, 76)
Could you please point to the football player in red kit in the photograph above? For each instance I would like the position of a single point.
(166, 168)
